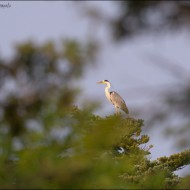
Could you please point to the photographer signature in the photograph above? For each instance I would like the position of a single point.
(7, 5)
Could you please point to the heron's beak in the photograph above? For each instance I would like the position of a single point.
(100, 82)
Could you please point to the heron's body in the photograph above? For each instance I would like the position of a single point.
(114, 97)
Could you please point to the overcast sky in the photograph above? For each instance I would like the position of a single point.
(127, 65)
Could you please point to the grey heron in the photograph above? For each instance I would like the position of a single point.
(114, 97)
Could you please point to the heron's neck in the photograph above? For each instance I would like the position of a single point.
(107, 90)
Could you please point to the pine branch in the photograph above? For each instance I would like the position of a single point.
(175, 161)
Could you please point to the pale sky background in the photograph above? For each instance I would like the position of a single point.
(125, 65)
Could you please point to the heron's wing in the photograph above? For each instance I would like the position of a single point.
(118, 101)
(116, 98)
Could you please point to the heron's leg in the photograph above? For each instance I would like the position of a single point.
(117, 110)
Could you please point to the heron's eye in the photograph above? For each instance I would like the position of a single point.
(105, 80)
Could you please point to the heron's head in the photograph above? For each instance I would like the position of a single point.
(103, 82)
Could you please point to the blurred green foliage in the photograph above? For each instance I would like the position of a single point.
(47, 142)
(145, 16)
